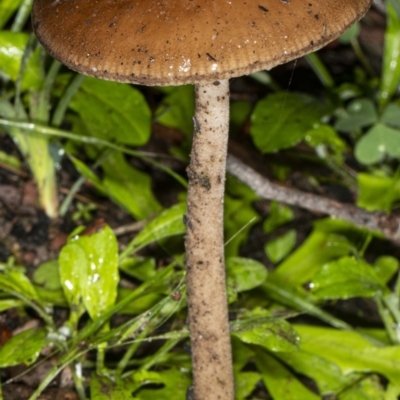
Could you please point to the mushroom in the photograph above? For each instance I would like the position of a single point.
(202, 42)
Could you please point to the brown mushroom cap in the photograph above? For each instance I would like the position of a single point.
(171, 42)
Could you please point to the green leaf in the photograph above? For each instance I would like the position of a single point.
(346, 278)
(391, 58)
(377, 193)
(241, 354)
(350, 351)
(277, 335)
(278, 215)
(46, 279)
(326, 374)
(168, 223)
(378, 142)
(280, 382)
(177, 108)
(12, 47)
(296, 298)
(47, 275)
(369, 388)
(325, 135)
(89, 270)
(245, 383)
(393, 391)
(16, 282)
(278, 248)
(139, 267)
(385, 267)
(142, 303)
(390, 115)
(23, 348)
(7, 9)
(244, 273)
(281, 120)
(359, 114)
(6, 304)
(113, 111)
(174, 384)
(102, 388)
(327, 242)
(129, 187)
(84, 170)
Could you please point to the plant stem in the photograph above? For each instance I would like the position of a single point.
(208, 310)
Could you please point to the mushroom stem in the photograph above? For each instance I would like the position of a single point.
(208, 309)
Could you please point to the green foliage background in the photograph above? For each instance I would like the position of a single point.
(358, 120)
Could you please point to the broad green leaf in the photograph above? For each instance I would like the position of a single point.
(369, 388)
(102, 388)
(346, 278)
(241, 354)
(377, 193)
(47, 275)
(177, 109)
(278, 248)
(327, 375)
(23, 348)
(52, 297)
(174, 384)
(393, 391)
(280, 382)
(245, 383)
(378, 142)
(390, 115)
(46, 279)
(276, 335)
(359, 114)
(319, 248)
(6, 304)
(17, 283)
(100, 289)
(129, 187)
(278, 215)
(168, 223)
(142, 303)
(391, 58)
(139, 267)
(350, 351)
(281, 120)
(325, 135)
(12, 47)
(244, 273)
(89, 270)
(113, 111)
(385, 267)
(7, 8)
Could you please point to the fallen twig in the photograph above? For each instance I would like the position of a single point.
(388, 225)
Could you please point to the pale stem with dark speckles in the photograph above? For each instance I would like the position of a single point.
(208, 308)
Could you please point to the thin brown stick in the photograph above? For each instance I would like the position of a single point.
(388, 225)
